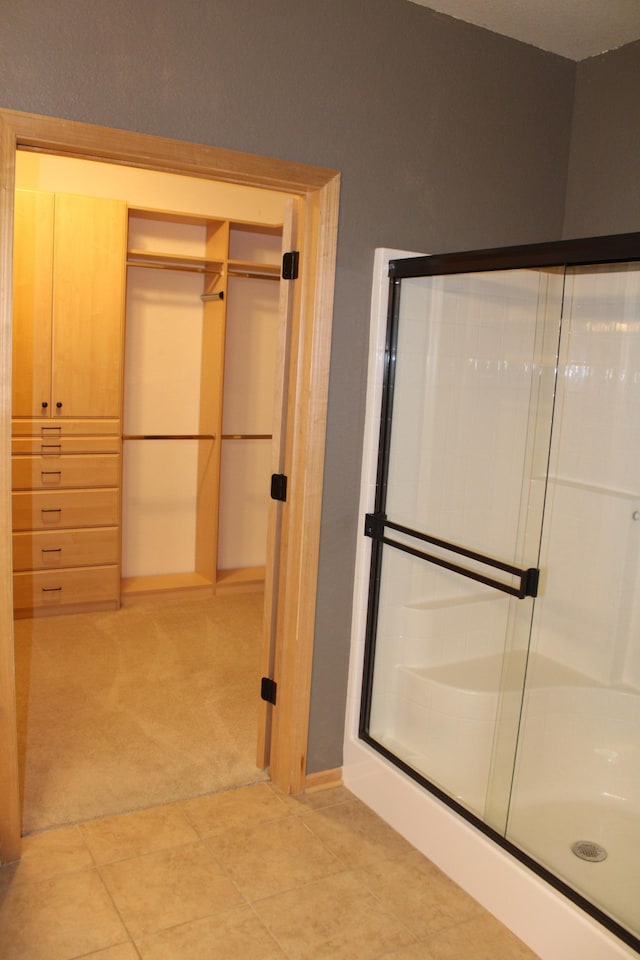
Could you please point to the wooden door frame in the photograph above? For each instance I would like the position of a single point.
(318, 190)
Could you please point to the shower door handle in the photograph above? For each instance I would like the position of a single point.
(376, 524)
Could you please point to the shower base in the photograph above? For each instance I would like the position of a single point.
(547, 830)
(577, 738)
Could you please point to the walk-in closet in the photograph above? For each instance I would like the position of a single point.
(146, 332)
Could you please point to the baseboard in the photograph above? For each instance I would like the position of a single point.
(323, 780)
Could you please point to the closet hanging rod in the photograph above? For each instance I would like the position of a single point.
(169, 436)
(180, 268)
(198, 268)
(253, 274)
(247, 436)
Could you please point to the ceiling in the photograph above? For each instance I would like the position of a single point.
(575, 29)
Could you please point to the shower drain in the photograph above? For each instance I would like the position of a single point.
(588, 850)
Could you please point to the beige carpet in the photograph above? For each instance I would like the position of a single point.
(147, 705)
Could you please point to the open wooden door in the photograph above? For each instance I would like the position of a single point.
(276, 528)
(9, 776)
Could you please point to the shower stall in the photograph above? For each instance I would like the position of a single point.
(501, 660)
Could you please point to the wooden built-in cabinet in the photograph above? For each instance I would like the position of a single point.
(175, 316)
(68, 306)
(68, 317)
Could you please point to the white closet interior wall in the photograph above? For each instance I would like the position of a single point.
(247, 420)
(161, 396)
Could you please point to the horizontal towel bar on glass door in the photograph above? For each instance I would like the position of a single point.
(247, 436)
(376, 523)
(169, 436)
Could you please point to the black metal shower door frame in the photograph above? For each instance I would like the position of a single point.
(619, 248)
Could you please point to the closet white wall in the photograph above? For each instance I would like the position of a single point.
(161, 396)
(247, 419)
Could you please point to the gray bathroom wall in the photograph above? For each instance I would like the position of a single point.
(603, 191)
(447, 137)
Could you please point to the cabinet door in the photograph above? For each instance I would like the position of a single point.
(88, 308)
(32, 294)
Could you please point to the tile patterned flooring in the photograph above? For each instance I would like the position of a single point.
(244, 873)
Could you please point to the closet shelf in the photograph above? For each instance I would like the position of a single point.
(257, 271)
(241, 578)
(142, 586)
(174, 261)
(607, 491)
(193, 264)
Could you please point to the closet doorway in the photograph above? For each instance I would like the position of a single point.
(303, 342)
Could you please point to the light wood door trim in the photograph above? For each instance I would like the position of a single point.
(309, 382)
(318, 189)
(9, 773)
(92, 142)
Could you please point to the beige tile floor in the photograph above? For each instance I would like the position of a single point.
(244, 873)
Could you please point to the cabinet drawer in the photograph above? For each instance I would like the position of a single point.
(43, 473)
(54, 549)
(63, 587)
(62, 446)
(47, 510)
(49, 428)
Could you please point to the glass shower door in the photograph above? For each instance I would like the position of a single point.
(464, 444)
(576, 792)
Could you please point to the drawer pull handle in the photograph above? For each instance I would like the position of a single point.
(47, 475)
(50, 449)
(50, 431)
(52, 589)
(52, 549)
(51, 510)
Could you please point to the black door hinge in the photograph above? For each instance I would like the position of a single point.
(268, 690)
(278, 487)
(290, 262)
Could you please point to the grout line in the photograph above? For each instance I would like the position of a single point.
(115, 905)
(278, 944)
